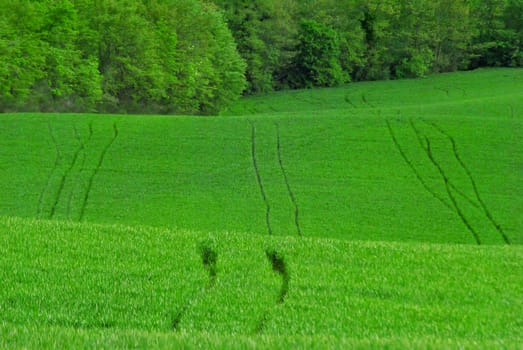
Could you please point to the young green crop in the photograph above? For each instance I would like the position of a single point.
(66, 283)
(350, 163)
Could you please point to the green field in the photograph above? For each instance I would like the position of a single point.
(379, 214)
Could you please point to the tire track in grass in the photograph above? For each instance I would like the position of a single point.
(365, 101)
(259, 179)
(280, 267)
(427, 148)
(84, 144)
(413, 168)
(58, 158)
(349, 101)
(286, 179)
(209, 262)
(67, 171)
(481, 202)
(95, 172)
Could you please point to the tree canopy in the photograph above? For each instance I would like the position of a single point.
(198, 56)
(117, 56)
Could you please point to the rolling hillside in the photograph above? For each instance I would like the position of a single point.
(435, 160)
(375, 215)
(98, 285)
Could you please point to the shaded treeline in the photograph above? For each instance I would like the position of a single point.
(305, 43)
(196, 57)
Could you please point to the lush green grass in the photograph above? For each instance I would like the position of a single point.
(345, 217)
(67, 283)
(337, 164)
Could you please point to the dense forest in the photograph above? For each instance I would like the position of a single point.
(196, 57)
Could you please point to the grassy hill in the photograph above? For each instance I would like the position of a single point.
(379, 214)
(68, 283)
(434, 160)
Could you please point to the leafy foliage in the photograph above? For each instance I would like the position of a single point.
(317, 59)
(117, 56)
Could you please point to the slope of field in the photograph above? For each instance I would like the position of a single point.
(431, 160)
(69, 284)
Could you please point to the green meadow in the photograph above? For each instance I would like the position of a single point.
(373, 215)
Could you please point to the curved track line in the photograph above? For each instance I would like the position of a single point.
(69, 199)
(258, 178)
(284, 173)
(209, 261)
(486, 211)
(428, 151)
(280, 267)
(416, 173)
(95, 172)
(58, 158)
(67, 171)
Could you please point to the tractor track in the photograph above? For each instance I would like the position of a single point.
(209, 262)
(286, 179)
(481, 202)
(67, 171)
(349, 101)
(365, 101)
(413, 168)
(459, 212)
(259, 179)
(280, 267)
(58, 158)
(80, 171)
(446, 91)
(95, 172)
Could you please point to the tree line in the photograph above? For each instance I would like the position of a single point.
(304, 43)
(198, 56)
(117, 56)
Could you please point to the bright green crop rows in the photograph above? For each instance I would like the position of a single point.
(131, 285)
(434, 160)
(383, 214)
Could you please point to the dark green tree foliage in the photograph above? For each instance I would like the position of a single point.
(317, 60)
(377, 39)
(265, 31)
(157, 56)
(499, 40)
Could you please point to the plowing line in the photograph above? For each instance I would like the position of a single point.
(69, 199)
(67, 171)
(411, 166)
(279, 266)
(95, 172)
(284, 173)
(258, 178)
(209, 262)
(57, 160)
(486, 211)
(459, 212)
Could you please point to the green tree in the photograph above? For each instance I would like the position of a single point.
(21, 61)
(317, 60)
(265, 32)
